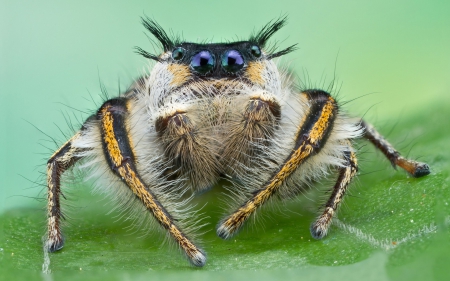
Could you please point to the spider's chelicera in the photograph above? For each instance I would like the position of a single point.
(206, 111)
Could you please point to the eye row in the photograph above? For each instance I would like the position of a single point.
(203, 61)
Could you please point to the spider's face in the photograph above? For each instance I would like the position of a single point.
(213, 69)
(186, 69)
(214, 61)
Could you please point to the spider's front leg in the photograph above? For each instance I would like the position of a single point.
(310, 136)
(58, 163)
(116, 142)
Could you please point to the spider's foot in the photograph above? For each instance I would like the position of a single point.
(227, 228)
(224, 231)
(319, 228)
(415, 169)
(231, 225)
(54, 244)
(421, 170)
(198, 258)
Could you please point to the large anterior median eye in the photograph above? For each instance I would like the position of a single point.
(202, 62)
(232, 61)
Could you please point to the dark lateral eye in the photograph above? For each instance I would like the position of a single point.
(232, 61)
(255, 50)
(202, 62)
(178, 53)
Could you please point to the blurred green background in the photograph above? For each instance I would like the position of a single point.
(54, 53)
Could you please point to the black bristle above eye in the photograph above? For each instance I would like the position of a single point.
(262, 37)
(258, 39)
(159, 33)
(146, 54)
(267, 31)
(156, 30)
(282, 52)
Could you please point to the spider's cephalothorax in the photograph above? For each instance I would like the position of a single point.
(207, 111)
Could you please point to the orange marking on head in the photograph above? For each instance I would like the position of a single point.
(181, 74)
(254, 72)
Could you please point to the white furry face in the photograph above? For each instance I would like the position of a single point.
(180, 80)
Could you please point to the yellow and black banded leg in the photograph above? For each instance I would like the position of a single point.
(414, 168)
(59, 162)
(311, 135)
(320, 227)
(119, 154)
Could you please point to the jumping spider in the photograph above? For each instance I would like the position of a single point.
(208, 111)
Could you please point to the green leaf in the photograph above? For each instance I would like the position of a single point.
(391, 226)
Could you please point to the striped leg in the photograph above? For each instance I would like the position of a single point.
(416, 169)
(120, 156)
(320, 227)
(310, 137)
(60, 161)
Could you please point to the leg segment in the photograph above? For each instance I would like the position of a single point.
(320, 227)
(189, 152)
(60, 161)
(250, 132)
(416, 169)
(310, 137)
(119, 154)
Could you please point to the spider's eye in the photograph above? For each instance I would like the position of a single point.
(178, 53)
(202, 62)
(256, 51)
(232, 61)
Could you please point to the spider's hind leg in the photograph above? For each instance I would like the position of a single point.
(414, 168)
(320, 227)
